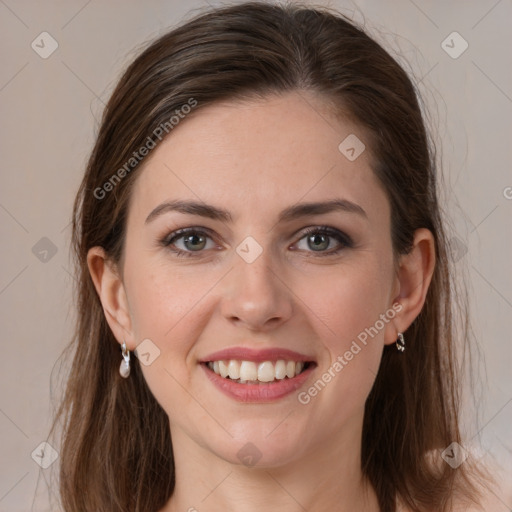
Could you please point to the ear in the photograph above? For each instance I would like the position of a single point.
(112, 294)
(413, 279)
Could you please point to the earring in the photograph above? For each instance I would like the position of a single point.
(124, 369)
(400, 342)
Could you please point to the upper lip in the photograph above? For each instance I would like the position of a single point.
(250, 354)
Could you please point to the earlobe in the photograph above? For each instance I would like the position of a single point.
(111, 291)
(414, 276)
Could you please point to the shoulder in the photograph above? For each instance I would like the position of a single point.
(494, 496)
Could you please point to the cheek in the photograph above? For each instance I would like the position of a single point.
(166, 309)
(167, 306)
(348, 301)
(162, 300)
(346, 308)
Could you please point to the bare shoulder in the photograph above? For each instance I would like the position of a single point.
(494, 496)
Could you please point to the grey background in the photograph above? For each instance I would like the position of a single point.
(49, 110)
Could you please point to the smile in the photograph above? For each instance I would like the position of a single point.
(250, 372)
(257, 375)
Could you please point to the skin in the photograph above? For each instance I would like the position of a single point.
(254, 159)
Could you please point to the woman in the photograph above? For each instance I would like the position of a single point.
(259, 222)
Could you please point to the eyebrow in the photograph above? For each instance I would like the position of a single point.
(292, 212)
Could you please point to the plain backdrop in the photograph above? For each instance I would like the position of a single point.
(49, 111)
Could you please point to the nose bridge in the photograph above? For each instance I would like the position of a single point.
(256, 273)
(256, 295)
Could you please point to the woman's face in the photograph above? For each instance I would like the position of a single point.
(253, 282)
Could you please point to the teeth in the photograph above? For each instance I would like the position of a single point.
(280, 369)
(234, 370)
(266, 372)
(252, 373)
(290, 369)
(248, 370)
(223, 369)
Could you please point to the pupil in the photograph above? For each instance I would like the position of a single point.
(317, 238)
(193, 240)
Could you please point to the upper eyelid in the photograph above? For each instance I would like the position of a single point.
(179, 233)
(305, 231)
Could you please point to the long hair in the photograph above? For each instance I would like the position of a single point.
(116, 453)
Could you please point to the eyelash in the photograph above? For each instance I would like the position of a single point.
(344, 240)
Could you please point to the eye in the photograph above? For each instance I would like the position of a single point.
(321, 238)
(187, 241)
(318, 239)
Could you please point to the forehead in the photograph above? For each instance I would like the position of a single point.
(260, 156)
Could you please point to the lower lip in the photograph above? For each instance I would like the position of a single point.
(264, 392)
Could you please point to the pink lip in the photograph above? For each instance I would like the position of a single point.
(263, 392)
(257, 356)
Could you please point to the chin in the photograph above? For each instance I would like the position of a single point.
(260, 449)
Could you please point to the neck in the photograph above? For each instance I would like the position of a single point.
(327, 477)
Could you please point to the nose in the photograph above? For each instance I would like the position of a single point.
(256, 295)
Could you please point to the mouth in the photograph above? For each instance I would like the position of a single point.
(257, 373)
(264, 376)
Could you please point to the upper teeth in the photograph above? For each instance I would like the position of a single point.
(266, 371)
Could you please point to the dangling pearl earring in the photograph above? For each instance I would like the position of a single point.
(124, 369)
(400, 342)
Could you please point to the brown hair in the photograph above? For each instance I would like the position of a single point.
(116, 452)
